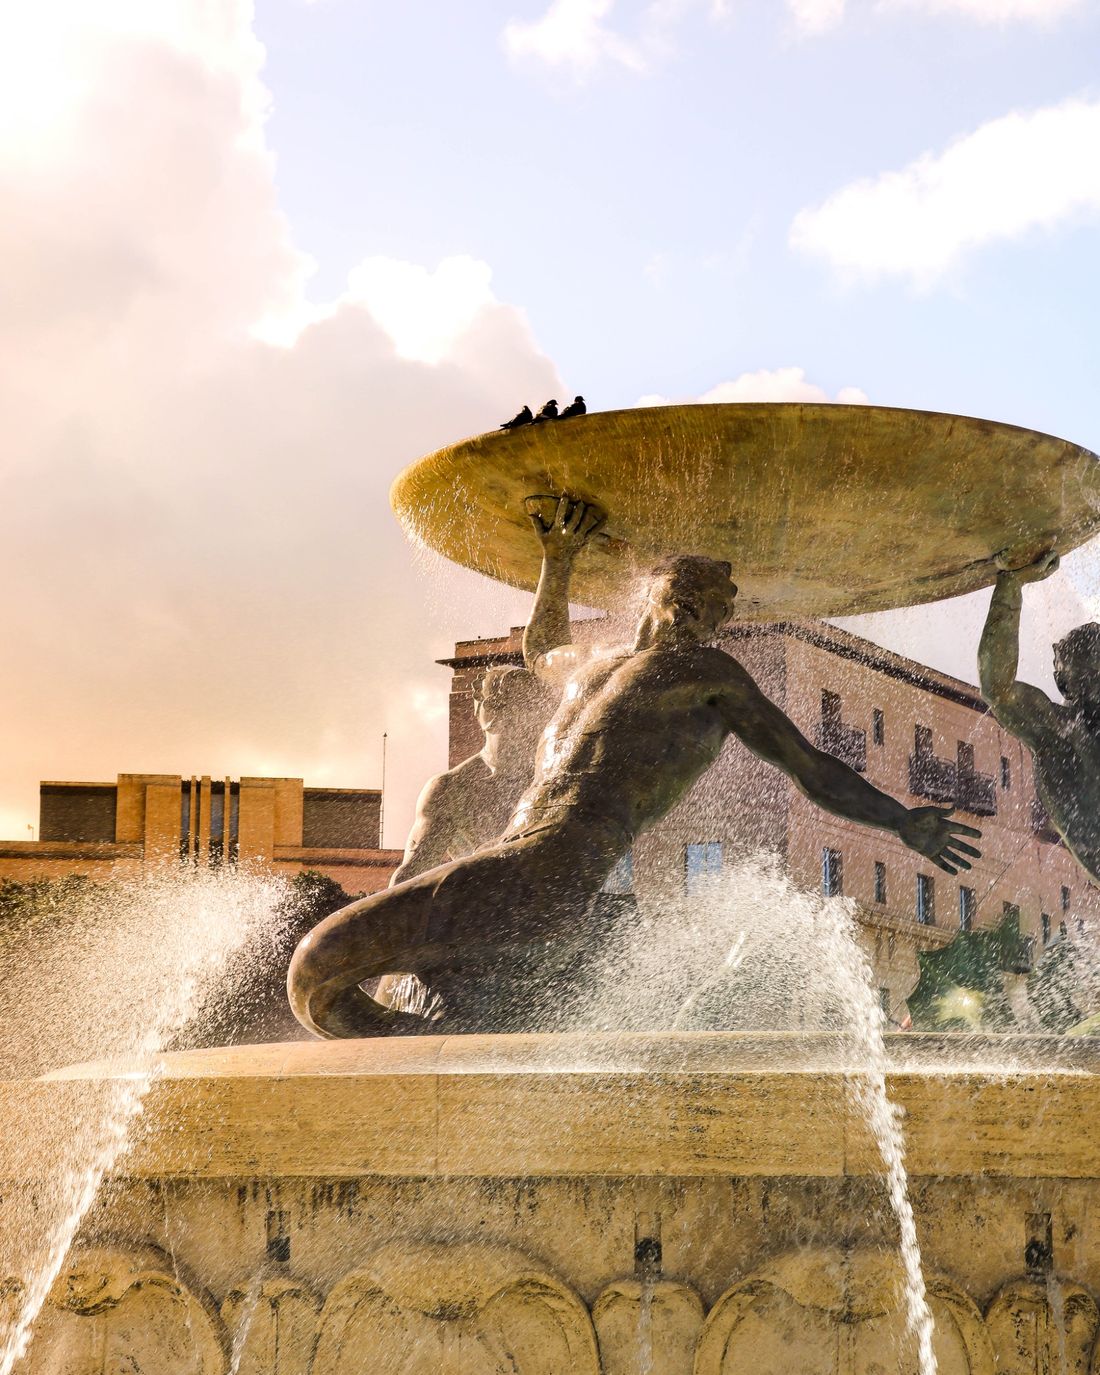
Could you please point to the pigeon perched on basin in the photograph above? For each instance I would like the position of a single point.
(523, 417)
(575, 407)
(548, 412)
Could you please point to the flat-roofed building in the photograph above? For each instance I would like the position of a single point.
(920, 735)
(105, 830)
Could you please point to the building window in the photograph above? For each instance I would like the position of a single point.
(217, 824)
(702, 862)
(929, 775)
(832, 873)
(185, 821)
(235, 822)
(844, 742)
(621, 879)
(1065, 898)
(977, 792)
(926, 900)
(880, 881)
(1044, 925)
(1006, 774)
(878, 727)
(968, 908)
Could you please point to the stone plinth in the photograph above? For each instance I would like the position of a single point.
(680, 1203)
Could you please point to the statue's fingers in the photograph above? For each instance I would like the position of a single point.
(594, 518)
(575, 517)
(561, 515)
(965, 849)
(956, 852)
(957, 860)
(947, 868)
(960, 829)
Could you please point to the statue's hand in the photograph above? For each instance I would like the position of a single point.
(1040, 568)
(566, 528)
(929, 831)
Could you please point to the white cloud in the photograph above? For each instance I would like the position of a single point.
(424, 313)
(778, 384)
(202, 569)
(572, 34)
(993, 11)
(1020, 173)
(815, 16)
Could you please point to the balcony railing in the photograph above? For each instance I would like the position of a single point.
(933, 778)
(977, 793)
(944, 780)
(846, 743)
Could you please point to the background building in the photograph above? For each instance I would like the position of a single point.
(915, 733)
(105, 830)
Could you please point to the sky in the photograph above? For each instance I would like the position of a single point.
(256, 259)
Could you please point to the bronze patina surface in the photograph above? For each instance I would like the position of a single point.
(822, 510)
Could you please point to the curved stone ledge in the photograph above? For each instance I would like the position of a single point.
(677, 1104)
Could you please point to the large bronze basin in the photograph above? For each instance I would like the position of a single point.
(822, 510)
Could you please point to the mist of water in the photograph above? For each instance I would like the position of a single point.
(749, 951)
(118, 972)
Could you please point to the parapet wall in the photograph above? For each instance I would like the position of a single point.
(667, 1205)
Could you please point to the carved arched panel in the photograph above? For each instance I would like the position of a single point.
(115, 1312)
(647, 1327)
(1042, 1329)
(272, 1328)
(454, 1310)
(830, 1312)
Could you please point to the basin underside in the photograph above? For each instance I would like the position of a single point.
(693, 1204)
(822, 510)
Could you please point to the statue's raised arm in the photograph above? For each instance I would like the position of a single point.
(563, 525)
(1064, 739)
(1020, 707)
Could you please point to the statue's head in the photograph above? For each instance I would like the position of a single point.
(505, 696)
(1077, 663)
(693, 594)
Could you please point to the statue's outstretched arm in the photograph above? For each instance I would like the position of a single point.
(1019, 707)
(832, 785)
(562, 535)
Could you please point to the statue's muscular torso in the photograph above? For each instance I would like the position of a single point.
(1066, 752)
(633, 733)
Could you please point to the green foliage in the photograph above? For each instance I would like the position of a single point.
(315, 895)
(962, 986)
(35, 899)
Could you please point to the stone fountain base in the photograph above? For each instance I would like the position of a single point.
(705, 1203)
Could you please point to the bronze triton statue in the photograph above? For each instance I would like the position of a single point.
(1064, 740)
(494, 934)
(468, 806)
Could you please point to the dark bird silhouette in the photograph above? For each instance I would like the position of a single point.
(523, 417)
(576, 407)
(548, 412)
